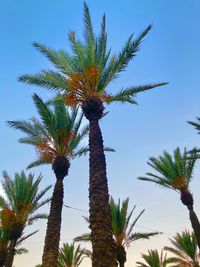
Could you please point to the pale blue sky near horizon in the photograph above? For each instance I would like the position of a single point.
(169, 53)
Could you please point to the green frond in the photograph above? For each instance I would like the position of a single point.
(48, 79)
(174, 171)
(83, 238)
(89, 35)
(62, 61)
(128, 94)
(37, 163)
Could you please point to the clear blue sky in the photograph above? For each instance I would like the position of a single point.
(169, 53)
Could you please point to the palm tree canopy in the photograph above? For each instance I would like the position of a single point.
(185, 250)
(153, 259)
(173, 172)
(71, 256)
(21, 203)
(58, 133)
(87, 71)
(122, 228)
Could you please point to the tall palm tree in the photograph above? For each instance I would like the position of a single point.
(71, 256)
(175, 172)
(19, 208)
(185, 250)
(82, 79)
(56, 140)
(153, 259)
(122, 229)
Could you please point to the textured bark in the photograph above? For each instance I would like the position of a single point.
(121, 255)
(11, 253)
(100, 215)
(195, 225)
(3, 255)
(52, 239)
(187, 200)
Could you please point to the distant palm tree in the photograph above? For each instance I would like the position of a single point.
(122, 229)
(19, 208)
(71, 256)
(185, 250)
(175, 172)
(82, 79)
(153, 259)
(56, 139)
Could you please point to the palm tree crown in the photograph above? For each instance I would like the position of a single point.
(122, 228)
(58, 135)
(176, 171)
(19, 209)
(71, 256)
(185, 250)
(86, 72)
(153, 259)
(22, 201)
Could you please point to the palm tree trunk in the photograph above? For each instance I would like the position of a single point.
(188, 201)
(121, 255)
(195, 225)
(100, 215)
(11, 253)
(52, 239)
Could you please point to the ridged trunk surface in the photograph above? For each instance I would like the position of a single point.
(100, 215)
(3, 255)
(52, 239)
(11, 253)
(187, 200)
(195, 225)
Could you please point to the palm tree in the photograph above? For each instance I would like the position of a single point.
(185, 250)
(82, 79)
(153, 259)
(122, 229)
(4, 242)
(175, 172)
(70, 256)
(57, 141)
(19, 208)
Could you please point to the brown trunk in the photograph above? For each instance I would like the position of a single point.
(195, 225)
(11, 253)
(52, 239)
(121, 255)
(188, 201)
(100, 215)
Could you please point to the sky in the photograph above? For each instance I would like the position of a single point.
(170, 53)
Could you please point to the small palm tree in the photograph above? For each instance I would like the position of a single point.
(122, 229)
(185, 250)
(153, 259)
(19, 208)
(82, 79)
(175, 172)
(70, 256)
(56, 140)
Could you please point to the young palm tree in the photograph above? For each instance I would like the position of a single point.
(70, 256)
(82, 79)
(57, 141)
(175, 172)
(153, 259)
(122, 229)
(185, 250)
(19, 208)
